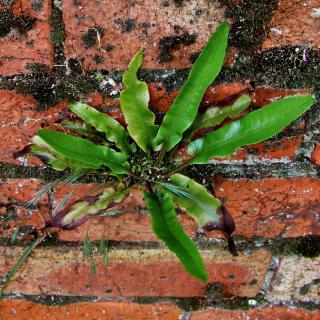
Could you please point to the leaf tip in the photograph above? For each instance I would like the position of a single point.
(225, 25)
(72, 105)
(137, 60)
(204, 277)
(313, 97)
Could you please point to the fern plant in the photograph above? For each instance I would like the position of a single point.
(144, 153)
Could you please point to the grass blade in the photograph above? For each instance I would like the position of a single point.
(18, 264)
(103, 250)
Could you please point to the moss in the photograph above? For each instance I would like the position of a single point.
(279, 67)
(98, 59)
(46, 174)
(54, 300)
(178, 3)
(143, 165)
(57, 31)
(37, 5)
(250, 22)
(49, 89)
(10, 213)
(308, 246)
(57, 35)
(6, 20)
(9, 171)
(128, 25)
(170, 43)
(7, 3)
(9, 21)
(109, 47)
(38, 68)
(90, 38)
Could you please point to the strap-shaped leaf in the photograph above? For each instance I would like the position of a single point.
(185, 107)
(215, 115)
(81, 210)
(254, 127)
(57, 161)
(114, 131)
(134, 105)
(202, 206)
(84, 151)
(49, 158)
(83, 129)
(166, 226)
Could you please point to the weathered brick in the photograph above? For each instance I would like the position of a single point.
(265, 95)
(295, 23)
(107, 34)
(150, 272)
(269, 208)
(266, 313)
(35, 9)
(161, 98)
(272, 207)
(24, 310)
(315, 157)
(14, 194)
(17, 123)
(25, 37)
(20, 121)
(134, 224)
(283, 150)
(297, 278)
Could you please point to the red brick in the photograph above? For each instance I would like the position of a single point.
(272, 207)
(20, 121)
(26, 7)
(132, 273)
(24, 310)
(14, 194)
(133, 225)
(146, 23)
(283, 150)
(18, 50)
(266, 313)
(315, 157)
(231, 57)
(269, 208)
(265, 95)
(295, 23)
(161, 99)
(278, 151)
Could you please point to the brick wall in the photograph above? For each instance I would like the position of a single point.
(54, 52)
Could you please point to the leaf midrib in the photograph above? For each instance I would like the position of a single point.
(245, 136)
(194, 264)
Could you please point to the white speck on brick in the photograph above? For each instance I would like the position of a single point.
(276, 31)
(315, 12)
(252, 302)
